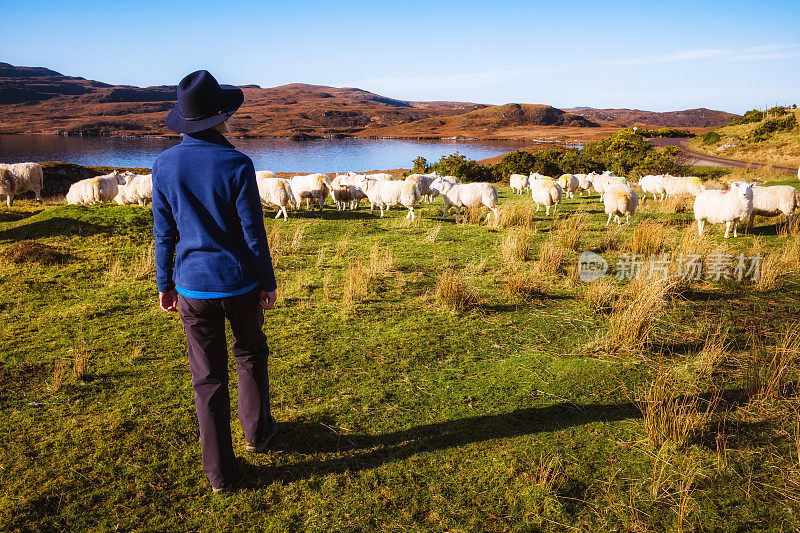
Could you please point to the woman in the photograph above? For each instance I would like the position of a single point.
(213, 263)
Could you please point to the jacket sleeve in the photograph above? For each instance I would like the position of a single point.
(248, 205)
(165, 232)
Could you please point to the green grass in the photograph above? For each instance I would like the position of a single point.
(396, 411)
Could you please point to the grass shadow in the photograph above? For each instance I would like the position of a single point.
(58, 226)
(16, 216)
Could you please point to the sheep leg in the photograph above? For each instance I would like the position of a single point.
(446, 207)
(700, 227)
(735, 224)
(494, 214)
(537, 207)
(546, 210)
(750, 221)
(381, 207)
(9, 200)
(285, 214)
(278, 214)
(458, 212)
(789, 222)
(609, 220)
(727, 228)
(410, 213)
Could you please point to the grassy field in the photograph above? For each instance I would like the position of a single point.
(426, 376)
(781, 149)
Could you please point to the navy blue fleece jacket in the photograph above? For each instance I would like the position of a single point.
(207, 218)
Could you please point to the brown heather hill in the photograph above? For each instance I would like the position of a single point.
(533, 122)
(39, 100)
(689, 118)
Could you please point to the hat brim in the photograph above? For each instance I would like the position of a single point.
(232, 100)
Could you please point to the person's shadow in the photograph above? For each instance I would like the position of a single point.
(355, 452)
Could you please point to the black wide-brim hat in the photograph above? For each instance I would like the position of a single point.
(203, 103)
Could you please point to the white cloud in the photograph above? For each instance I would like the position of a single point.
(680, 55)
(754, 53)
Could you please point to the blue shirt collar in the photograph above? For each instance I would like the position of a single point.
(209, 135)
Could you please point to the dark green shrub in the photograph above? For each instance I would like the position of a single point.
(664, 132)
(777, 111)
(517, 162)
(710, 137)
(465, 169)
(754, 115)
(764, 131)
(420, 167)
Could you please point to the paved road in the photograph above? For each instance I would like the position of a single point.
(696, 158)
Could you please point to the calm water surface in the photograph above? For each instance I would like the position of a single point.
(280, 155)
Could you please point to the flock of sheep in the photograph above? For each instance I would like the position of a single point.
(737, 205)
(740, 204)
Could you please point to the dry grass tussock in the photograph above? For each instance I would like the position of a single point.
(771, 367)
(570, 231)
(360, 276)
(633, 316)
(523, 283)
(683, 203)
(612, 239)
(141, 266)
(551, 258)
(519, 214)
(601, 295)
(648, 238)
(275, 241)
(777, 265)
(515, 246)
(454, 291)
(672, 413)
(716, 350)
(433, 233)
(32, 252)
(80, 363)
(343, 245)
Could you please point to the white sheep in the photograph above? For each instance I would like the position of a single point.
(95, 190)
(266, 174)
(537, 176)
(731, 207)
(570, 184)
(137, 189)
(619, 199)
(275, 192)
(674, 186)
(452, 179)
(384, 194)
(602, 182)
(653, 184)
(423, 183)
(344, 194)
(546, 193)
(584, 183)
(518, 182)
(21, 178)
(460, 195)
(311, 187)
(774, 200)
(351, 179)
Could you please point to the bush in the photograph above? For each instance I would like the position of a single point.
(764, 131)
(420, 167)
(664, 132)
(710, 137)
(754, 115)
(465, 169)
(517, 162)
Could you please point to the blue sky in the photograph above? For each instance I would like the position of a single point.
(642, 54)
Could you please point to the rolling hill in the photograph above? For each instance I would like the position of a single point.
(40, 100)
(689, 118)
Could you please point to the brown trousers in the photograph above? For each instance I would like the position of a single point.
(204, 324)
